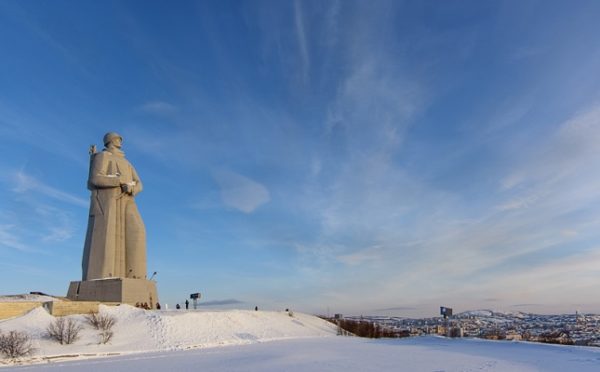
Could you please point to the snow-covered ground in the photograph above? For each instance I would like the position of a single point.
(140, 330)
(274, 341)
(349, 354)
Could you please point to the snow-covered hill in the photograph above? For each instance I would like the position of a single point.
(139, 330)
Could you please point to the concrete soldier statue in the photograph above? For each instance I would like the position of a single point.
(114, 254)
(115, 244)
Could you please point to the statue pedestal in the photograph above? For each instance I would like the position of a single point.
(124, 290)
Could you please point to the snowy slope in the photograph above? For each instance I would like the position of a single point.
(139, 330)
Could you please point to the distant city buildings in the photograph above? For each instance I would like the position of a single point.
(568, 329)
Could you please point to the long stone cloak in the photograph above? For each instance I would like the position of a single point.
(115, 243)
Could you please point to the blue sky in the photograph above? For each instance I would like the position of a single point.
(375, 157)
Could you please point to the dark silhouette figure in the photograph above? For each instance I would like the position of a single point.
(187, 304)
(177, 307)
(158, 306)
(255, 308)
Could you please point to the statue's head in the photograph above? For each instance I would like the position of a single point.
(110, 137)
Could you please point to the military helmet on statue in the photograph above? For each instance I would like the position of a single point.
(108, 137)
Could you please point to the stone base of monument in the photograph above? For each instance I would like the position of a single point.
(124, 290)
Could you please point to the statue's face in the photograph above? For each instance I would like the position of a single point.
(117, 142)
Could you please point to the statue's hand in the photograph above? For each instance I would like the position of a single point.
(126, 188)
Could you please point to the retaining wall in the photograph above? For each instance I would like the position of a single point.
(56, 308)
(12, 309)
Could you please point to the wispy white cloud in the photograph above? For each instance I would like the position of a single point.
(10, 239)
(29, 270)
(38, 132)
(365, 203)
(158, 108)
(37, 28)
(396, 308)
(52, 224)
(508, 114)
(512, 180)
(314, 257)
(374, 106)
(415, 239)
(58, 225)
(332, 22)
(58, 234)
(363, 256)
(560, 171)
(556, 284)
(555, 180)
(241, 193)
(302, 40)
(25, 183)
(524, 52)
(519, 202)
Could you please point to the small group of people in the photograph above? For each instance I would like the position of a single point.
(187, 305)
(142, 305)
(145, 305)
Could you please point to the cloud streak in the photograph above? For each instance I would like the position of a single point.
(9, 239)
(241, 193)
(158, 108)
(25, 183)
(301, 35)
